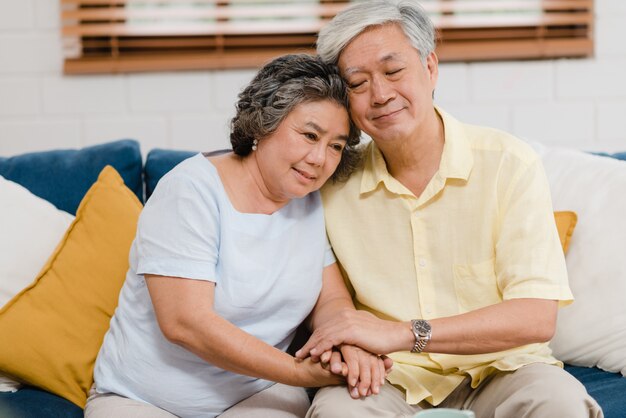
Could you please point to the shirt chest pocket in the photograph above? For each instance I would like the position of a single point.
(476, 285)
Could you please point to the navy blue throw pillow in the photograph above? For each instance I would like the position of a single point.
(62, 177)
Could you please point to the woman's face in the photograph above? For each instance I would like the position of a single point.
(304, 151)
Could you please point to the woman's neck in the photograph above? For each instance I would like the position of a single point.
(245, 186)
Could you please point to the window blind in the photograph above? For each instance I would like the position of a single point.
(112, 36)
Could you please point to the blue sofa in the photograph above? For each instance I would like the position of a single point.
(63, 177)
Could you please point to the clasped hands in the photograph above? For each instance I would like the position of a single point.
(353, 345)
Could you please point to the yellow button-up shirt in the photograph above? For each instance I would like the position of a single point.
(481, 232)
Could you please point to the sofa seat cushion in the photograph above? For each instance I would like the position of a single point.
(30, 402)
(608, 389)
(62, 177)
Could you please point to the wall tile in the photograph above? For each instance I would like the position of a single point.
(228, 84)
(609, 7)
(511, 81)
(151, 132)
(588, 79)
(84, 94)
(453, 83)
(18, 137)
(47, 14)
(611, 127)
(200, 132)
(19, 96)
(172, 92)
(16, 14)
(610, 35)
(565, 124)
(31, 53)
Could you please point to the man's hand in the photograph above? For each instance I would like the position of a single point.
(358, 328)
(364, 372)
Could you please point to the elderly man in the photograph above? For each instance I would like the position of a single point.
(450, 247)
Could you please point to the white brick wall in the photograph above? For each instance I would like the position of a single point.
(576, 103)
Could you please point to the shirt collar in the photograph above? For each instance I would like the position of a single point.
(456, 162)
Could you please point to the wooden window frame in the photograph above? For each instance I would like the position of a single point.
(107, 36)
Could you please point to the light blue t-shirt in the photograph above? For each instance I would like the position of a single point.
(268, 275)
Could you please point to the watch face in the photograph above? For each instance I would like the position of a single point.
(421, 327)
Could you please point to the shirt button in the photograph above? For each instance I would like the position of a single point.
(422, 262)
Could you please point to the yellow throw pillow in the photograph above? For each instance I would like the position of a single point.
(565, 223)
(52, 330)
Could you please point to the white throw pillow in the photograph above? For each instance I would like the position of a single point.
(592, 330)
(30, 229)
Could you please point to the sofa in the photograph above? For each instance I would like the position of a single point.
(68, 219)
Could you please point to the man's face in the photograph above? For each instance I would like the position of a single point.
(390, 88)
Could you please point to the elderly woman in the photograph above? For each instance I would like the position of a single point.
(230, 257)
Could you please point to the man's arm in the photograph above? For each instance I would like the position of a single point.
(529, 268)
(498, 327)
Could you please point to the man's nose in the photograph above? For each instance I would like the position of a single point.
(382, 91)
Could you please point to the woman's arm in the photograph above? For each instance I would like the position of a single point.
(184, 311)
(365, 371)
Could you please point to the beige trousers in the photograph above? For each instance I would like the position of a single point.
(279, 401)
(534, 391)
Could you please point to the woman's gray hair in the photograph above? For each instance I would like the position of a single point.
(352, 21)
(277, 89)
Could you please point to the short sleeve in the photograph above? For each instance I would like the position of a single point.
(329, 255)
(529, 259)
(178, 230)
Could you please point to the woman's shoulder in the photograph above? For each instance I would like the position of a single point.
(195, 177)
(194, 170)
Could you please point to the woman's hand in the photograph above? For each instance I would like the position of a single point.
(316, 374)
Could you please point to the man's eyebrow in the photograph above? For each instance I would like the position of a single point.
(353, 70)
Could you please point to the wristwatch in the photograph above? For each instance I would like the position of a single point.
(422, 331)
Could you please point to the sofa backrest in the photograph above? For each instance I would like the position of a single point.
(62, 177)
(160, 161)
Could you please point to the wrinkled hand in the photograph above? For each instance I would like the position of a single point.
(358, 328)
(316, 374)
(365, 372)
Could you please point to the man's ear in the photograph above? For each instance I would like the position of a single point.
(432, 65)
